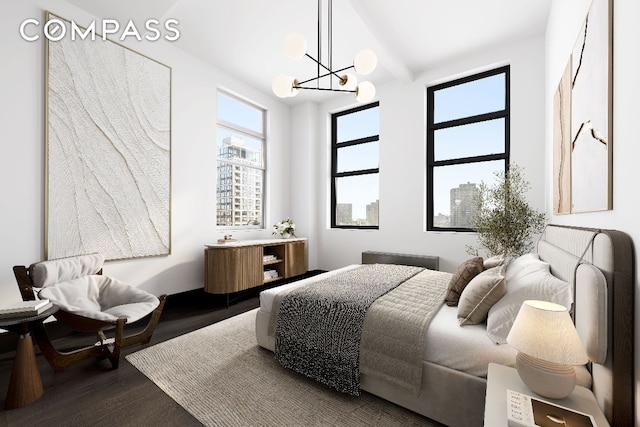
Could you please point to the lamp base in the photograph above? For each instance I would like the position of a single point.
(548, 379)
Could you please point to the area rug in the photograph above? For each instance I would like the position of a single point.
(222, 377)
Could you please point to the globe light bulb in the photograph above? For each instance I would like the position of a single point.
(295, 46)
(282, 86)
(348, 81)
(365, 61)
(365, 92)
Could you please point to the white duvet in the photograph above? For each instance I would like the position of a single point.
(463, 348)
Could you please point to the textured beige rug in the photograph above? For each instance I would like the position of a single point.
(223, 378)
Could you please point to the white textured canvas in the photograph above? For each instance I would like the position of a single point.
(108, 151)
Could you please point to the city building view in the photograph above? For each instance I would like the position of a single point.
(344, 214)
(240, 180)
(461, 208)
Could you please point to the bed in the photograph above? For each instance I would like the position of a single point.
(596, 264)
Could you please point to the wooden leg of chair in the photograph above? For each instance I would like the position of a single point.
(57, 359)
(144, 336)
(114, 358)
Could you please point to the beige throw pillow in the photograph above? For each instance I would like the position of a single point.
(480, 295)
(461, 278)
(494, 261)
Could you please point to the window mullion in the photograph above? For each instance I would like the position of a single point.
(240, 129)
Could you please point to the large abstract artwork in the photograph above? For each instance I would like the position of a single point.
(582, 154)
(108, 154)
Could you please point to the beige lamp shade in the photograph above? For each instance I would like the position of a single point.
(548, 346)
(544, 330)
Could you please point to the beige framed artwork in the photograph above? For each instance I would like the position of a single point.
(108, 150)
(582, 144)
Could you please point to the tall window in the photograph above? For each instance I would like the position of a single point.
(354, 167)
(467, 141)
(241, 163)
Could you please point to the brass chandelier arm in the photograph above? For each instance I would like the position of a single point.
(325, 88)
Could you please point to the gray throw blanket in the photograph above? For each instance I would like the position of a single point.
(320, 325)
(394, 332)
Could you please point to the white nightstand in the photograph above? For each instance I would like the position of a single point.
(500, 378)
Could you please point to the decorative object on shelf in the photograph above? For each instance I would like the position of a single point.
(227, 238)
(295, 47)
(505, 222)
(285, 228)
(548, 347)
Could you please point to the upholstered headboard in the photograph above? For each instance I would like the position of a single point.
(599, 264)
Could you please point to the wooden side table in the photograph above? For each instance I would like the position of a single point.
(25, 386)
(500, 378)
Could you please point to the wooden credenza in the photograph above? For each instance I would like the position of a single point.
(236, 266)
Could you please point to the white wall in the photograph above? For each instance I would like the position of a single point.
(565, 20)
(403, 157)
(304, 165)
(193, 149)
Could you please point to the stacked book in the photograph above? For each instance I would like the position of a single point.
(25, 308)
(527, 411)
(270, 274)
(267, 258)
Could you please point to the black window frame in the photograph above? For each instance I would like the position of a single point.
(334, 163)
(433, 127)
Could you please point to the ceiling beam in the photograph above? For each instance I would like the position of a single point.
(386, 55)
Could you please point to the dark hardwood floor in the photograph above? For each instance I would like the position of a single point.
(89, 393)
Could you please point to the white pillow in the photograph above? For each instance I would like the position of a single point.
(529, 261)
(529, 280)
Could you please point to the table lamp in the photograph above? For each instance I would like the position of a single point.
(548, 347)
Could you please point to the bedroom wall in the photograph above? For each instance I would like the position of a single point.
(565, 19)
(403, 156)
(194, 87)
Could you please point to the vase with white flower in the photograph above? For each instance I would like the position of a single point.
(285, 228)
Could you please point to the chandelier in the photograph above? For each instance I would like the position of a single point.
(295, 47)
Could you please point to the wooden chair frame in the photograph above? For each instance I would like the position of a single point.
(104, 348)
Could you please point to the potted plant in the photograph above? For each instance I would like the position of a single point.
(285, 228)
(504, 221)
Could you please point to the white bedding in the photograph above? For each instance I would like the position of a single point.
(463, 348)
(466, 349)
